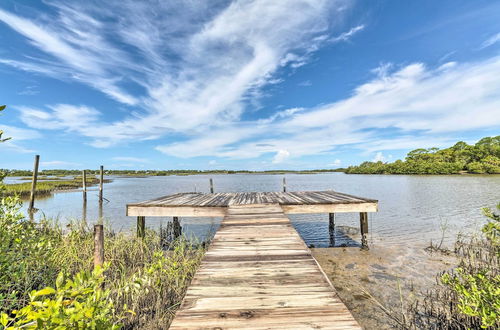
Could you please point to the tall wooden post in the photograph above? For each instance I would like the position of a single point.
(141, 227)
(284, 184)
(31, 208)
(331, 228)
(98, 245)
(101, 180)
(211, 186)
(363, 222)
(84, 183)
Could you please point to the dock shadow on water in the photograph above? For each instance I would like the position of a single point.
(391, 275)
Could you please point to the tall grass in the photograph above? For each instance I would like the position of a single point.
(45, 188)
(144, 283)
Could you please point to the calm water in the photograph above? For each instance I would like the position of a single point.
(412, 209)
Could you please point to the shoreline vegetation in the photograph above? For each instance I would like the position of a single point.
(46, 186)
(58, 173)
(462, 158)
(140, 285)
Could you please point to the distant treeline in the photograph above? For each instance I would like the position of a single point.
(483, 157)
(159, 172)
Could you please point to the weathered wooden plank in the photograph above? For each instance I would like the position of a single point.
(211, 205)
(259, 274)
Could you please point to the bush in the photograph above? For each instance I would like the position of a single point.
(77, 303)
(467, 297)
(144, 283)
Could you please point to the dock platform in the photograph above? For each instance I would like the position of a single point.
(215, 204)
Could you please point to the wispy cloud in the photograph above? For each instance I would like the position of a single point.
(131, 159)
(346, 36)
(491, 41)
(201, 63)
(421, 106)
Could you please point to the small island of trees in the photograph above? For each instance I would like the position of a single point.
(482, 158)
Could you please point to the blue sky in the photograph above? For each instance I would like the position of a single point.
(293, 84)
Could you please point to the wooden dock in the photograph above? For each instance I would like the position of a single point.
(259, 274)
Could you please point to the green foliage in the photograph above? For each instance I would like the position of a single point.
(479, 294)
(76, 303)
(2, 107)
(143, 283)
(483, 157)
(23, 245)
(478, 286)
(467, 297)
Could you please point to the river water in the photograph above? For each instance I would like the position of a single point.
(412, 209)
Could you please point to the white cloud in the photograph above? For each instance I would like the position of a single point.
(281, 156)
(336, 163)
(379, 157)
(130, 159)
(346, 36)
(423, 107)
(491, 41)
(211, 46)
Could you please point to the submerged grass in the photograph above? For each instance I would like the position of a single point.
(46, 187)
(467, 297)
(141, 286)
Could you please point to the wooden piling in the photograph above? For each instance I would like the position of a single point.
(98, 245)
(331, 228)
(177, 229)
(211, 186)
(84, 182)
(31, 208)
(284, 184)
(363, 222)
(101, 180)
(141, 227)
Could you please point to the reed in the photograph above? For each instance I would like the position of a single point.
(143, 282)
(46, 187)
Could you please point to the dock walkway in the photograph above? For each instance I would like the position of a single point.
(259, 274)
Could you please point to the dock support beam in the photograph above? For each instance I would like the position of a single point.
(363, 223)
(331, 228)
(177, 230)
(141, 227)
(284, 184)
(211, 186)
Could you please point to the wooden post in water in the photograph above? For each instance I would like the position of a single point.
(98, 245)
(84, 182)
(331, 228)
(284, 184)
(31, 208)
(141, 227)
(101, 179)
(177, 229)
(211, 186)
(363, 222)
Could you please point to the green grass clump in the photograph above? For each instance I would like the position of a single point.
(44, 188)
(46, 278)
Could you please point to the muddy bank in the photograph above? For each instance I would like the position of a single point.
(382, 272)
